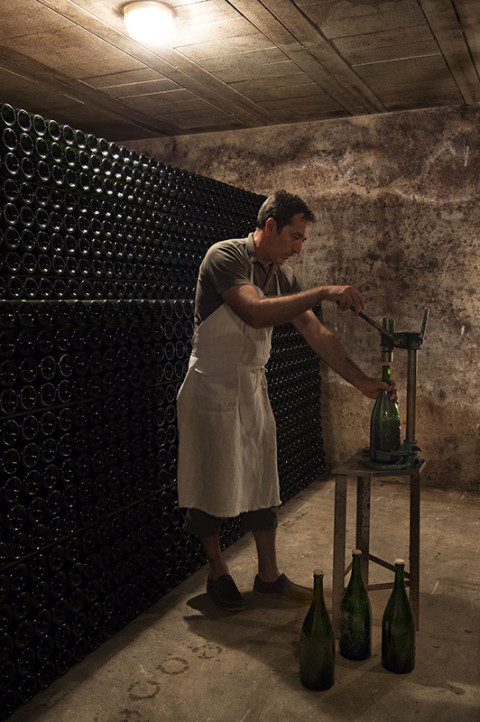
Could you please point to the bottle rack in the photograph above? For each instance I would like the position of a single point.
(100, 248)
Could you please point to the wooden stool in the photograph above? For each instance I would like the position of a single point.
(356, 466)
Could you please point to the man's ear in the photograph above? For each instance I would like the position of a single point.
(270, 226)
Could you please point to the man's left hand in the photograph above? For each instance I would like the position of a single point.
(371, 386)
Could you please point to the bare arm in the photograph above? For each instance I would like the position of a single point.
(329, 348)
(263, 312)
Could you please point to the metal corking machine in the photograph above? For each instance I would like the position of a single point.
(406, 456)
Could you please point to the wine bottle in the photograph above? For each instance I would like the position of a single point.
(8, 115)
(398, 627)
(23, 120)
(384, 424)
(355, 616)
(317, 643)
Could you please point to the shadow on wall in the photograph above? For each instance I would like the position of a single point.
(452, 458)
(345, 419)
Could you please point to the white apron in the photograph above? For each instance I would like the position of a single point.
(227, 459)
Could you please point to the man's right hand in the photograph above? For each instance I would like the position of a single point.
(346, 297)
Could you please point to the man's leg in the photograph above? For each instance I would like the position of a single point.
(267, 555)
(218, 565)
(269, 582)
(207, 528)
(263, 525)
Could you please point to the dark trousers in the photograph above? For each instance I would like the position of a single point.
(203, 524)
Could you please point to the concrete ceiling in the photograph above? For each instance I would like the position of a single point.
(233, 64)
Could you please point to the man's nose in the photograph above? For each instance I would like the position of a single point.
(297, 246)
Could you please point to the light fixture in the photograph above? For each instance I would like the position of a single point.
(148, 22)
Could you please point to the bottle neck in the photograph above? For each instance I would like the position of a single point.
(386, 373)
(399, 575)
(318, 587)
(356, 567)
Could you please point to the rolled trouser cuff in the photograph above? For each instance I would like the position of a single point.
(202, 524)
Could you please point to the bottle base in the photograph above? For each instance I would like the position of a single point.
(356, 657)
(405, 669)
(317, 686)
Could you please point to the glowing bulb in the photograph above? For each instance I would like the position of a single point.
(148, 22)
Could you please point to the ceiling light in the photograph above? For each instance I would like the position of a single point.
(148, 22)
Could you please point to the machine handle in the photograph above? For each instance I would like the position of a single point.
(424, 323)
(373, 323)
(376, 325)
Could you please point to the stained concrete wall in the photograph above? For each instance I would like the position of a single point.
(396, 197)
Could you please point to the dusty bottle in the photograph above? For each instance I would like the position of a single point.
(355, 616)
(317, 643)
(384, 424)
(398, 627)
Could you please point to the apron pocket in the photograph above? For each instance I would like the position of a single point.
(216, 392)
(252, 379)
(254, 404)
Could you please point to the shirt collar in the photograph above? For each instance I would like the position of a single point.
(251, 248)
(252, 253)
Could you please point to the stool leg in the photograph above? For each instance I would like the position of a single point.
(363, 523)
(339, 532)
(414, 589)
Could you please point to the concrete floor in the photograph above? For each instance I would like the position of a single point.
(185, 661)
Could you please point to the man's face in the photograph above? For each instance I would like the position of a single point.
(289, 240)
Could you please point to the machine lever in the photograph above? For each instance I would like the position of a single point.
(373, 323)
(376, 325)
(424, 323)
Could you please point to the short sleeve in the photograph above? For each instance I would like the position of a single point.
(226, 265)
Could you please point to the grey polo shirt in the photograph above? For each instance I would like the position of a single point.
(229, 263)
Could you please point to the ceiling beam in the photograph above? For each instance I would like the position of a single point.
(446, 26)
(304, 43)
(38, 72)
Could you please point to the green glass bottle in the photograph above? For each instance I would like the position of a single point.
(355, 616)
(398, 627)
(317, 643)
(384, 424)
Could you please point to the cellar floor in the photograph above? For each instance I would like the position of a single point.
(185, 661)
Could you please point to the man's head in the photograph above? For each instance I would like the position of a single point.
(282, 206)
(283, 223)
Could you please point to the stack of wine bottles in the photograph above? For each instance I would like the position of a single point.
(100, 250)
(84, 218)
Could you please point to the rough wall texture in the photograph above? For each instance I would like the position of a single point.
(396, 197)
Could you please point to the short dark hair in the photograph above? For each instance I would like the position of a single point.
(282, 206)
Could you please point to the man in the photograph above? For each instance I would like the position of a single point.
(227, 439)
